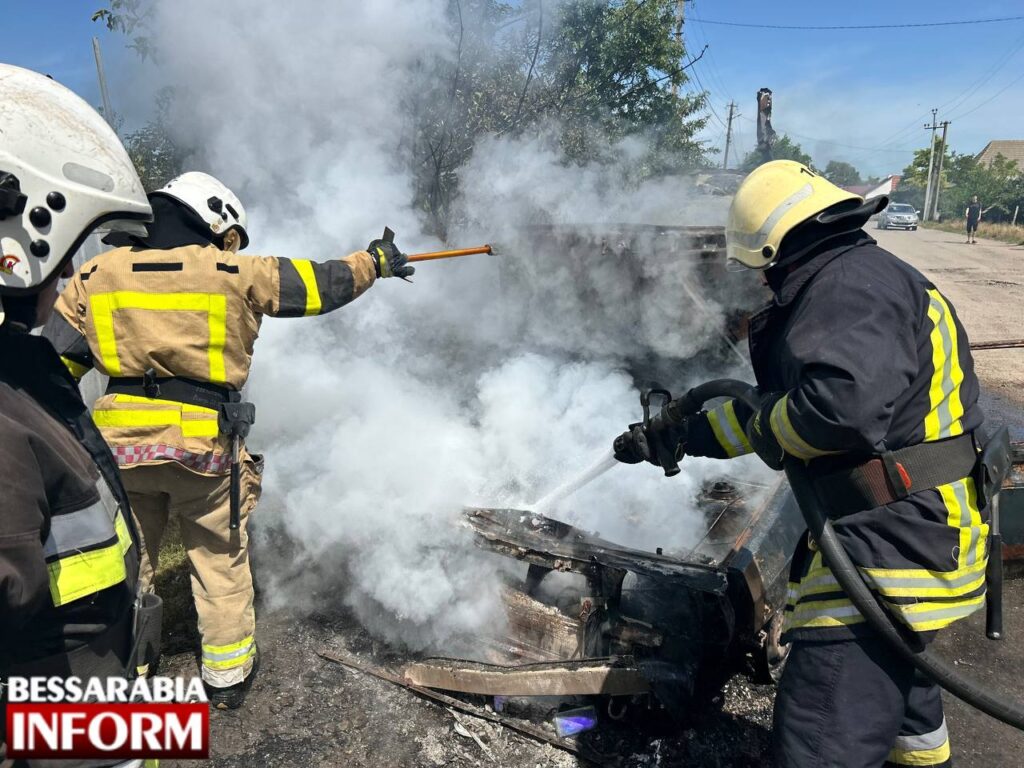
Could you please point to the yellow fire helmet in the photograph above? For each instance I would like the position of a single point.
(771, 202)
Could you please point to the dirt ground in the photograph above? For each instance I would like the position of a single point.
(307, 711)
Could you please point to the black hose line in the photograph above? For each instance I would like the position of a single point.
(899, 637)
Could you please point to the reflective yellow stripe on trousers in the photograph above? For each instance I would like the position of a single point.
(923, 750)
(104, 305)
(229, 656)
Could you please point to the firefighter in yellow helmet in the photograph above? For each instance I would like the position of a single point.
(866, 375)
(171, 317)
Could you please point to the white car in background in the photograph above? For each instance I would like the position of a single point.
(898, 216)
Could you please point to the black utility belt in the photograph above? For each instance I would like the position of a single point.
(176, 388)
(234, 417)
(898, 474)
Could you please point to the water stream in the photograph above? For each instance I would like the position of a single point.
(602, 465)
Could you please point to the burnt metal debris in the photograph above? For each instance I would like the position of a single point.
(675, 625)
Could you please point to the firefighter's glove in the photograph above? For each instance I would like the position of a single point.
(631, 446)
(759, 432)
(388, 260)
(664, 436)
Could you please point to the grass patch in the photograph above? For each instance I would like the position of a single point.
(174, 585)
(1005, 233)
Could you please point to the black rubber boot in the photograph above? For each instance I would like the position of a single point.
(232, 696)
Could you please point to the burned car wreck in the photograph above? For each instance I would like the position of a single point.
(637, 623)
(588, 617)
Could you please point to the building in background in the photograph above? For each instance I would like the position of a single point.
(886, 186)
(1011, 149)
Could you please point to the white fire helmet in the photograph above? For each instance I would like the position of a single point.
(63, 174)
(209, 199)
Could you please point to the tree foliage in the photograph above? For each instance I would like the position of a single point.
(130, 17)
(842, 174)
(783, 149)
(157, 158)
(998, 185)
(587, 73)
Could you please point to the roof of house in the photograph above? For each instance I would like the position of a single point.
(1011, 149)
(884, 187)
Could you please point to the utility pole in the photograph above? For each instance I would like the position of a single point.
(680, 18)
(728, 137)
(938, 174)
(108, 111)
(931, 163)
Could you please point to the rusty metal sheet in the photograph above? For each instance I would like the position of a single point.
(590, 677)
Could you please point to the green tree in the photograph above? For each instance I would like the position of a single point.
(130, 17)
(590, 74)
(156, 156)
(842, 174)
(999, 185)
(785, 149)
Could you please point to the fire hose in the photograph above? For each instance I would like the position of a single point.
(898, 636)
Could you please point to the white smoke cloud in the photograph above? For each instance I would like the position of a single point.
(488, 381)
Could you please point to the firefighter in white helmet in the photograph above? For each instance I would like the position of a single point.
(171, 317)
(68, 555)
(866, 376)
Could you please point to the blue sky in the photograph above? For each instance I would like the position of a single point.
(854, 95)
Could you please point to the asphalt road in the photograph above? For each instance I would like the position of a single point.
(985, 282)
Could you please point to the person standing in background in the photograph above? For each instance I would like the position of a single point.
(973, 216)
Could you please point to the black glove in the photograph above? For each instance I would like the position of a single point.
(631, 446)
(759, 432)
(388, 260)
(666, 436)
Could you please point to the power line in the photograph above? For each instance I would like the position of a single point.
(711, 106)
(713, 68)
(990, 98)
(860, 26)
(957, 101)
(846, 146)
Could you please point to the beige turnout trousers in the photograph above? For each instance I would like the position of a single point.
(218, 557)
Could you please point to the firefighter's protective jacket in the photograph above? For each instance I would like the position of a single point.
(191, 312)
(68, 559)
(871, 358)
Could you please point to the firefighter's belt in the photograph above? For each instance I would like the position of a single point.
(176, 388)
(897, 474)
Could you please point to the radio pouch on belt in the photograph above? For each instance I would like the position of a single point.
(993, 467)
(234, 420)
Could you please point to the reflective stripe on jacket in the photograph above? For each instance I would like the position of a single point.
(68, 567)
(871, 357)
(193, 312)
